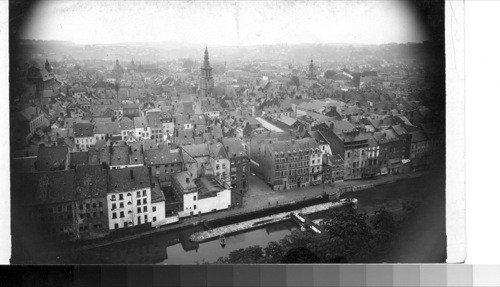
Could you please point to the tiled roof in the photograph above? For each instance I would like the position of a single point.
(91, 181)
(83, 130)
(51, 157)
(81, 157)
(161, 156)
(385, 136)
(140, 122)
(55, 186)
(217, 151)
(126, 124)
(119, 155)
(127, 179)
(291, 145)
(235, 147)
(197, 150)
(185, 181)
(400, 130)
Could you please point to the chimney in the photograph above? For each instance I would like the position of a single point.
(131, 174)
(187, 179)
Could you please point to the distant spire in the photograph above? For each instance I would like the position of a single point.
(206, 53)
(206, 62)
(48, 67)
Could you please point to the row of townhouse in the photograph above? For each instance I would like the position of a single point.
(366, 154)
(87, 202)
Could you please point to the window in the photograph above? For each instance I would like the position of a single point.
(138, 202)
(144, 193)
(154, 208)
(113, 197)
(122, 215)
(194, 206)
(138, 194)
(121, 196)
(114, 215)
(121, 204)
(94, 205)
(154, 219)
(69, 216)
(144, 200)
(81, 206)
(194, 197)
(146, 218)
(117, 226)
(113, 206)
(101, 213)
(100, 203)
(138, 210)
(81, 216)
(145, 209)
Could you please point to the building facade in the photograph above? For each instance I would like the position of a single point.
(285, 164)
(129, 197)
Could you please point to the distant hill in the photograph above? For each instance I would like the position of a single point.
(163, 51)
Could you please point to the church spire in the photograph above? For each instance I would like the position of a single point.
(48, 67)
(310, 74)
(206, 79)
(206, 62)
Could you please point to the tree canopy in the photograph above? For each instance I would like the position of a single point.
(351, 236)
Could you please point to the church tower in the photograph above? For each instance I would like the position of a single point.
(310, 73)
(48, 67)
(206, 79)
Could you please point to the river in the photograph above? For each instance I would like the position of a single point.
(176, 248)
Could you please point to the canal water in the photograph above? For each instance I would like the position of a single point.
(176, 248)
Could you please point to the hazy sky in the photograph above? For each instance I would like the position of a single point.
(225, 22)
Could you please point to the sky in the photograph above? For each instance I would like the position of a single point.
(224, 22)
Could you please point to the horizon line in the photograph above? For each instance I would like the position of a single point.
(226, 45)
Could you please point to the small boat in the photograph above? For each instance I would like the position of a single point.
(222, 241)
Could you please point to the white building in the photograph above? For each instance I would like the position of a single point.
(168, 128)
(212, 114)
(142, 129)
(316, 162)
(200, 195)
(84, 135)
(126, 128)
(129, 197)
(158, 207)
(219, 161)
